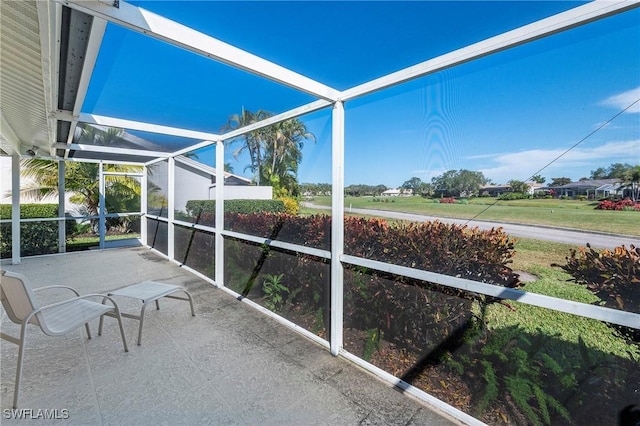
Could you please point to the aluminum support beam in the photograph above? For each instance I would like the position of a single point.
(15, 209)
(62, 224)
(561, 22)
(337, 228)
(161, 28)
(219, 239)
(143, 205)
(113, 150)
(171, 195)
(614, 316)
(102, 120)
(102, 206)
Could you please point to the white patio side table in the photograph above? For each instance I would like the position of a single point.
(147, 292)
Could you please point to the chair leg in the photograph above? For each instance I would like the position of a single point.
(86, 326)
(21, 344)
(193, 313)
(104, 299)
(144, 306)
(119, 318)
(157, 305)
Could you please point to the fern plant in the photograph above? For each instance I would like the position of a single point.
(518, 366)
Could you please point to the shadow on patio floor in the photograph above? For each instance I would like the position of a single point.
(228, 365)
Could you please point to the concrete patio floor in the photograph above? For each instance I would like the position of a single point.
(228, 365)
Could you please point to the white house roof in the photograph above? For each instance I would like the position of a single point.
(591, 184)
(212, 171)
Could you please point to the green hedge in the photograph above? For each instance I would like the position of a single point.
(36, 237)
(196, 207)
(29, 211)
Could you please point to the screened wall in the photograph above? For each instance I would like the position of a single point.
(395, 235)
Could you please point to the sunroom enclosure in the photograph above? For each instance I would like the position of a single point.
(369, 304)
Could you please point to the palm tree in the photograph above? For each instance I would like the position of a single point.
(252, 142)
(283, 154)
(82, 179)
(632, 182)
(275, 152)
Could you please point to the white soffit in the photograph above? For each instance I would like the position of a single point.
(96, 35)
(22, 104)
(159, 27)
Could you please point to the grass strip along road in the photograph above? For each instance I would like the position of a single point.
(568, 221)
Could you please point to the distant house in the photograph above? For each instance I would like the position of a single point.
(198, 181)
(397, 192)
(592, 189)
(498, 190)
(494, 190)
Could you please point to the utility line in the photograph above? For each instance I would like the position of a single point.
(596, 130)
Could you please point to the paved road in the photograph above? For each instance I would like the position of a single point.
(562, 235)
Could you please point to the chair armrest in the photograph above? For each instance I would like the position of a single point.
(103, 296)
(85, 296)
(57, 286)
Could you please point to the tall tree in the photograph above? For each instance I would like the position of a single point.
(559, 181)
(82, 180)
(418, 187)
(599, 173)
(618, 170)
(538, 179)
(614, 171)
(631, 181)
(459, 183)
(284, 142)
(275, 151)
(252, 142)
(413, 185)
(518, 186)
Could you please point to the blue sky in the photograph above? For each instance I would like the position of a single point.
(507, 115)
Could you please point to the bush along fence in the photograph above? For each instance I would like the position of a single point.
(36, 237)
(613, 276)
(439, 339)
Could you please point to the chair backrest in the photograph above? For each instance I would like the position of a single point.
(17, 297)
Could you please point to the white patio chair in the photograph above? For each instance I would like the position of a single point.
(56, 319)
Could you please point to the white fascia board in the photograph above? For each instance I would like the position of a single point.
(153, 25)
(296, 112)
(144, 127)
(112, 150)
(563, 21)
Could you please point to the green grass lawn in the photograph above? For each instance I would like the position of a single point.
(552, 212)
(566, 327)
(84, 242)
